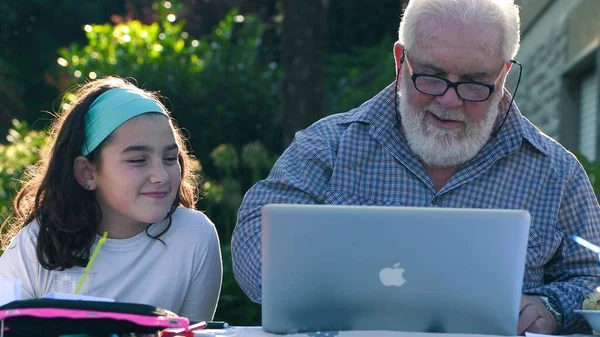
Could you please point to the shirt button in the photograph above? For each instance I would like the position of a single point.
(434, 201)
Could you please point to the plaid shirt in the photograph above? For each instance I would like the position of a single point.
(359, 158)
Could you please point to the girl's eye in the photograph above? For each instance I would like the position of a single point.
(136, 161)
(171, 159)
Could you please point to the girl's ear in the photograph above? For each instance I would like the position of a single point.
(85, 173)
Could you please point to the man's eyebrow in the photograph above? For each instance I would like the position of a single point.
(145, 148)
(430, 67)
(476, 75)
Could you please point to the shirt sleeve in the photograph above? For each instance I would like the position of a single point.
(200, 301)
(19, 261)
(300, 176)
(574, 272)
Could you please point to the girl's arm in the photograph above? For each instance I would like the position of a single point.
(201, 298)
(19, 261)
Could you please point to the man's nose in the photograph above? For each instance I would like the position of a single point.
(450, 99)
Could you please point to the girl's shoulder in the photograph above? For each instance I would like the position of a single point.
(190, 222)
(25, 240)
(28, 234)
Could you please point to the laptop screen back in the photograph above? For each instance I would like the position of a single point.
(332, 268)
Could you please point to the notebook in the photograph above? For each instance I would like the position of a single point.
(60, 317)
(333, 268)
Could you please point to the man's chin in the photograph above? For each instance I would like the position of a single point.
(445, 141)
(444, 152)
(452, 135)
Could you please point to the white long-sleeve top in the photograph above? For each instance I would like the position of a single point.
(183, 275)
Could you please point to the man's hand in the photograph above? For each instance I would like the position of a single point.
(534, 317)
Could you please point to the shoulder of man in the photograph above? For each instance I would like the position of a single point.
(329, 127)
(563, 160)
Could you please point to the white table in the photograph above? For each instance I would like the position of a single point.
(258, 332)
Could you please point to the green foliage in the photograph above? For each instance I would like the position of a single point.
(217, 87)
(223, 196)
(30, 33)
(257, 159)
(234, 306)
(592, 168)
(356, 77)
(10, 95)
(221, 201)
(22, 149)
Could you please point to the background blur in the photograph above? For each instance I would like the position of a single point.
(242, 76)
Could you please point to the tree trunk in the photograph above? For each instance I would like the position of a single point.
(302, 58)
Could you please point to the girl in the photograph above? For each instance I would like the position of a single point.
(116, 164)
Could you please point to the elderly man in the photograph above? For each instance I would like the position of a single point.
(446, 134)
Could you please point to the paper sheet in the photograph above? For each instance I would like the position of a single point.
(74, 297)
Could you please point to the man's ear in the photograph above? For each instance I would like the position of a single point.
(398, 56)
(85, 173)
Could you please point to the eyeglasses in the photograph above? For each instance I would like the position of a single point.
(437, 86)
(471, 91)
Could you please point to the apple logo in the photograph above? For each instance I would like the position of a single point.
(392, 276)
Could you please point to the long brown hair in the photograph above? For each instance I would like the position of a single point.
(67, 213)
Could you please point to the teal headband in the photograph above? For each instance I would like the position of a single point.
(113, 108)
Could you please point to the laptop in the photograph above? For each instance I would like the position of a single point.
(336, 268)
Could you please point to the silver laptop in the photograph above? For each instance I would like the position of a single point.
(334, 268)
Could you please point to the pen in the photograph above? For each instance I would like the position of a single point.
(216, 325)
(586, 244)
(184, 332)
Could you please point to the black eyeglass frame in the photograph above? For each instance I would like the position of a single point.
(450, 84)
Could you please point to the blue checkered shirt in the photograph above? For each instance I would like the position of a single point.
(360, 158)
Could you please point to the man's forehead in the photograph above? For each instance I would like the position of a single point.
(484, 36)
(457, 48)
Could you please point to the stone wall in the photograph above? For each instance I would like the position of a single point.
(556, 35)
(539, 92)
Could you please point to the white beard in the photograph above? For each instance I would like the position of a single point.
(444, 148)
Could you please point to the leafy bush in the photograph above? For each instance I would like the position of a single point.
(223, 196)
(218, 87)
(11, 96)
(234, 306)
(21, 150)
(592, 169)
(221, 201)
(356, 77)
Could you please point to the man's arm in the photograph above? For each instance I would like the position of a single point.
(300, 176)
(574, 272)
